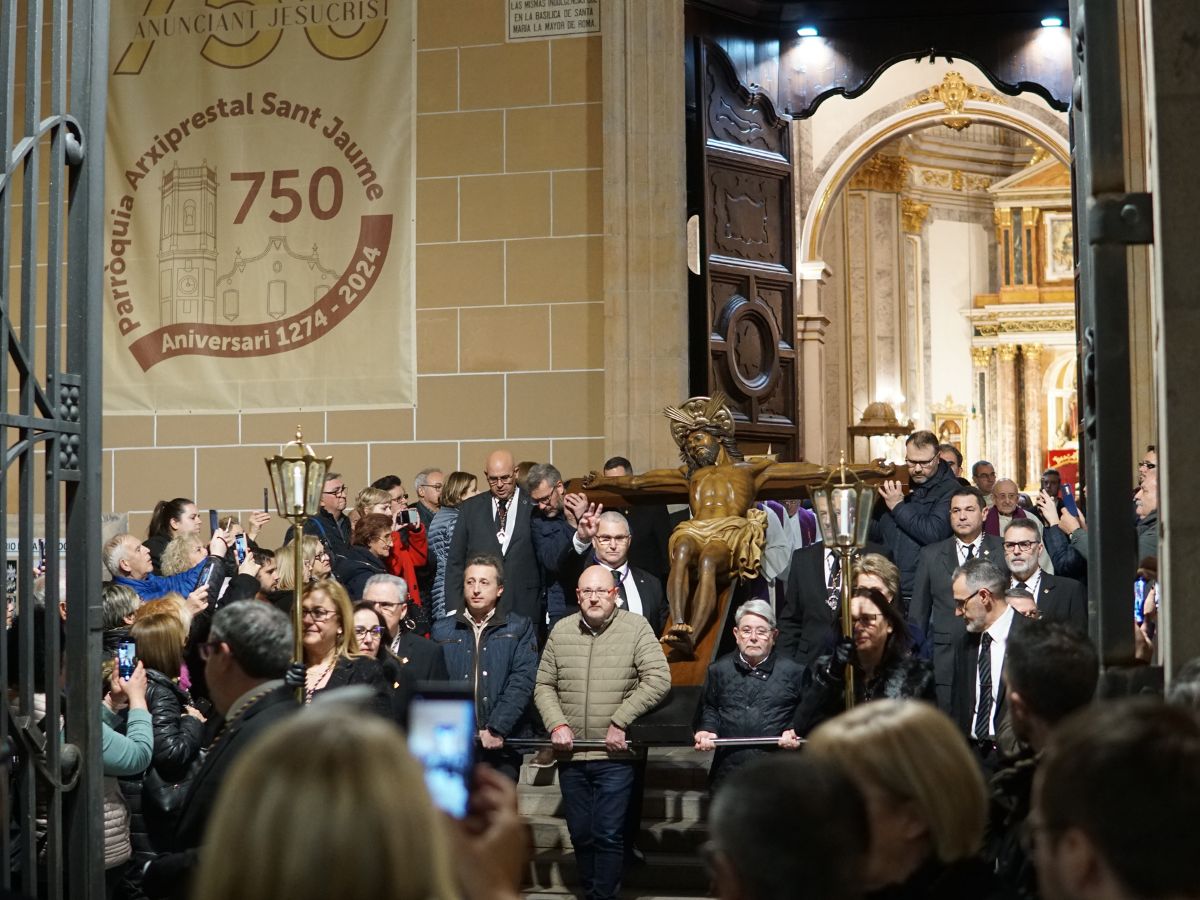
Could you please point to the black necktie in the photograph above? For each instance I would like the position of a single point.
(970, 552)
(501, 514)
(835, 572)
(1022, 586)
(623, 601)
(983, 715)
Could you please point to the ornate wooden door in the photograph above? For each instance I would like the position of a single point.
(741, 304)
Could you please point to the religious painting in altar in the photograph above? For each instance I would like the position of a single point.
(1060, 254)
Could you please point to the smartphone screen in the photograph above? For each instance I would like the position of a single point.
(239, 543)
(1139, 601)
(126, 658)
(410, 517)
(441, 735)
(212, 521)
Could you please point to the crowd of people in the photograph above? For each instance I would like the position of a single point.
(975, 761)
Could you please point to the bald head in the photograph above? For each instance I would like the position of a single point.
(500, 475)
(1006, 495)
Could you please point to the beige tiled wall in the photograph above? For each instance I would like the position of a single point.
(509, 291)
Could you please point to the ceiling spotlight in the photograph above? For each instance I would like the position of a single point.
(1052, 22)
(807, 31)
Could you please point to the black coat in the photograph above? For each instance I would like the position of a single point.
(740, 701)
(355, 568)
(806, 617)
(908, 677)
(474, 534)
(1063, 600)
(507, 665)
(560, 564)
(966, 879)
(334, 533)
(966, 673)
(421, 658)
(169, 875)
(920, 519)
(177, 742)
(935, 626)
(362, 670)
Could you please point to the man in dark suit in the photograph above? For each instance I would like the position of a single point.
(810, 604)
(637, 590)
(249, 649)
(936, 625)
(1058, 599)
(978, 704)
(419, 655)
(552, 526)
(497, 524)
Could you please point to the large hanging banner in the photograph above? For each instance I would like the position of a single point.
(260, 189)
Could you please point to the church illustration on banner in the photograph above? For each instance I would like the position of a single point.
(270, 284)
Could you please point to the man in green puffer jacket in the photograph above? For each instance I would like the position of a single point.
(601, 669)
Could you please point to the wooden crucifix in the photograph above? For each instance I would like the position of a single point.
(723, 540)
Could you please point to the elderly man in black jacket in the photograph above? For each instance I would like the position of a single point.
(247, 654)
(921, 518)
(752, 692)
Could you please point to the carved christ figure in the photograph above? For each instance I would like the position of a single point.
(725, 535)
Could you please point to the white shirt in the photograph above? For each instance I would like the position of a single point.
(998, 631)
(1033, 583)
(510, 521)
(632, 597)
(962, 548)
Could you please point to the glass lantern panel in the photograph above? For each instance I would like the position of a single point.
(844, 509)
(866, 505)
(820, 502)
(316, 483)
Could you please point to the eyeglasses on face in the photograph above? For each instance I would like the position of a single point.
(361, 631)
(748, 631)
(867, 620)
(500, 479)
(965, 600)
(1023, 546)
(612, 538)
(595, 592)
(338, 492)
(921, 463)
(386, 606)
(434, 486)
(318, 613)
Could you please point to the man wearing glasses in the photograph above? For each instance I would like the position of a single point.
(330, 524)
(751, 692)
(921, 518)
(496, 523)
(1058, 599)
(602, 668)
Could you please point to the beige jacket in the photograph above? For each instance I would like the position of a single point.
(588, 680)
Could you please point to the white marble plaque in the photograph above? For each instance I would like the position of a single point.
(529, 19)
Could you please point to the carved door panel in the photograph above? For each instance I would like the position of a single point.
(741, 305)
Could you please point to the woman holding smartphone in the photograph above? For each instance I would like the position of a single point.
(170, 518)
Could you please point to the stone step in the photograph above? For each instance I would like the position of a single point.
(665, 804)
(550, 833)
(664, 874)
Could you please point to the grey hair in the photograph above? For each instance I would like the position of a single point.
(983, 573)
(615, 518)
(117, 602)
(543, 472)
(422, 478)
(332, 476)
(1027, 524)
(760, 608)
(114, 553)
(1185, 686)
(258, 635)
(395, 582)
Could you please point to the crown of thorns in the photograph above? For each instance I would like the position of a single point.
(711, 413)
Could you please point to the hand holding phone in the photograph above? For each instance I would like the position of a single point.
(239, 544)
(441, 735)
(1068, 498)
(126, 659)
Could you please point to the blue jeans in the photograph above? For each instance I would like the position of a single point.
(595, 800)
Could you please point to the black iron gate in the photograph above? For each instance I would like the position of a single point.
(51, 258)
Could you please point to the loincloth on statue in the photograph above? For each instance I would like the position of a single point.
(744, 536)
